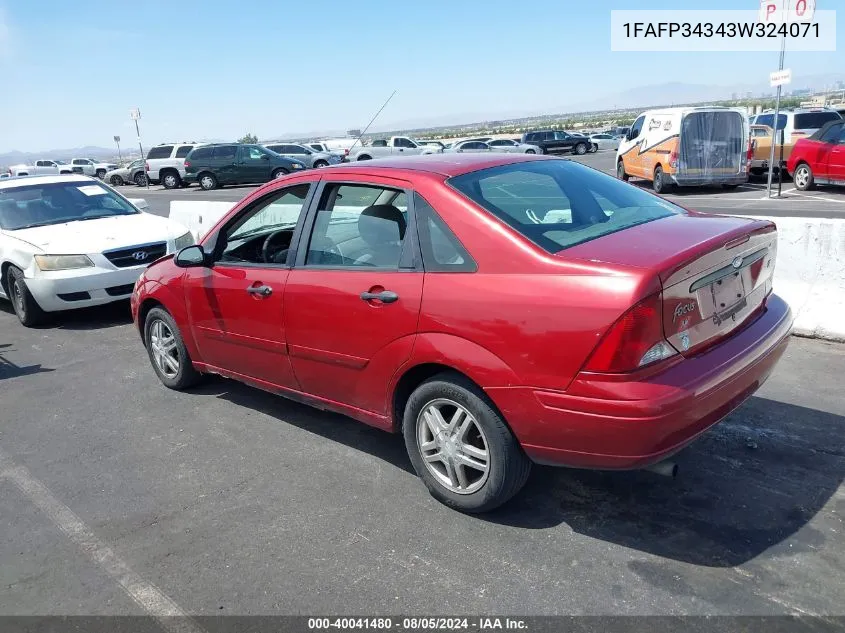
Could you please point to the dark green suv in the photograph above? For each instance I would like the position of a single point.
(235, 164)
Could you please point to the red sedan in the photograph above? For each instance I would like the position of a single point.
(820, 158)
(497, 310)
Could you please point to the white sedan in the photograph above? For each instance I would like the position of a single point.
(71, 242)
(512, 147)
(605, 141)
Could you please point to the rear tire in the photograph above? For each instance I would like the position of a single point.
(480, 437)
(26, 308)
(167, 352)
(364, 157)
(620, 171)
(659, 183)
(803, 177)
(171, 180)
(207, 181)
(530, 151)
(319, 164)
(116, 181)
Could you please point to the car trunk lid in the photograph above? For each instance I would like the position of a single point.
(716, 271)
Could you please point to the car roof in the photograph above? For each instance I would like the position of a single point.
(447, 165)
(20, 181)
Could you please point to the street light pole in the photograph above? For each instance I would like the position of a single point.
(135, 114)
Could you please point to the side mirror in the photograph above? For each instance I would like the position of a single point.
(191, 257)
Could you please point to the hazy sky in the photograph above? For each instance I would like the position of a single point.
(70, 71)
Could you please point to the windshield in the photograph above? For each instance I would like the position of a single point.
(557, 204)
(55, 203)
(814, 120)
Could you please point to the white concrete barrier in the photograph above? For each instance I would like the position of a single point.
(810, 274)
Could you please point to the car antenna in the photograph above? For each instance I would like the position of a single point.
(364, 131)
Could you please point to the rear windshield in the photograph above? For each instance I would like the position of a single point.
(560, 203)
(56, 203)
(814, 120)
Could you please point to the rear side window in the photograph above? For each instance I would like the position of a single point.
(558, 204)
(441, 250)
(162, 151)
(225, 152)
(814, 120)
(202, 153)
(183, 151)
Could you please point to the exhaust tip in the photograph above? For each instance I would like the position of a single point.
(666, 468)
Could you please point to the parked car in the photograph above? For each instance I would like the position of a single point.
(604, 141)
(761, 148)
(233, 164)
(166, 163)
(395, 145)
(72, 242)
(91, 167)
(306, 155)
(430, 143)
(133, 172)
(637, 324)
(324, 147)
(512, 147)
(467, 146)
(687, 147)
(796, 123)
(43, 167)
(557, 141)
(819, 159)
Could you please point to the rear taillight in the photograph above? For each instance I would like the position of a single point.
(187, 163)
(749, 154)
(147, 166)
(634, 341)
(673, 160)
(346, 152)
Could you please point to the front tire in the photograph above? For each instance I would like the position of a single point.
(319, 164)
(207, 181)
(364, 157)
(171, 180)
(26, 308)
(620, 171)
(461, 447)
(116, 181)
(803, 177)
(167, 352)
(580, 149)
(278, 173)
(101, 173)
(140, 179)
(530, 151)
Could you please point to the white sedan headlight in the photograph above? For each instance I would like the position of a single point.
(62, 262)
(182, 241)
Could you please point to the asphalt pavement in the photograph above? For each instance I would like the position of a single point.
(748, 199)
(118, 495)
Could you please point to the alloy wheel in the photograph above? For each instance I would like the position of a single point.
(164, 349)
(801, 177)
(453, 446)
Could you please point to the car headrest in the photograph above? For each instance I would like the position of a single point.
(381, 224)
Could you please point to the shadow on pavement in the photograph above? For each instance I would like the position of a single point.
(750, 483)
(8, 369)
(95, 318)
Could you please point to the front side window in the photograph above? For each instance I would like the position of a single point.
(561, 136)
(254, 153)
(263, 234)
(358, 226)
(162, 151)
(637, 127)
(558, 204)
(56, 203)
(403, 142)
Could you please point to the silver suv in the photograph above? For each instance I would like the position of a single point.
(166, 163)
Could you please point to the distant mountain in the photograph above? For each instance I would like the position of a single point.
(89, 151)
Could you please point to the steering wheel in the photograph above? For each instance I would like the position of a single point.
(265, 248)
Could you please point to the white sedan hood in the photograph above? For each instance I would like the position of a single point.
(102, 234)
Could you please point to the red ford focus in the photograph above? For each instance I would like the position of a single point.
(495, 310)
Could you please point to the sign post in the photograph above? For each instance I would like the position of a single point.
(135, 115)
(782, 12)
(117, 140)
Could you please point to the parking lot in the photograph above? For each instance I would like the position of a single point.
(748, 199)
(117, 494)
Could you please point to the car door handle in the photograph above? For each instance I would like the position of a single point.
(385, 296)
(263, 291)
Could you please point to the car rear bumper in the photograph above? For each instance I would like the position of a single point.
(82, 288)
(633, 422)
(714, 179)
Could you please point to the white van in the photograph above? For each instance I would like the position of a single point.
(687, 147)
